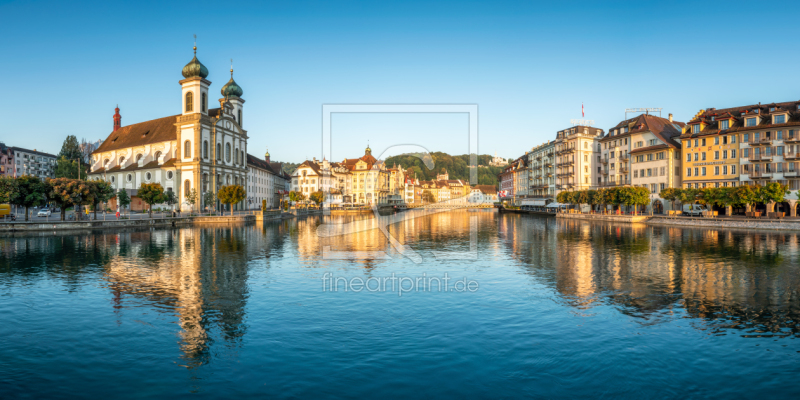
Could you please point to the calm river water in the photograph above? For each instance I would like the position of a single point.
(555, 309)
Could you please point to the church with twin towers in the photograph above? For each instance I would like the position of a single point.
(201, 149)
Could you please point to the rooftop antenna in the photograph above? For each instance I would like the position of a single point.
(195, 44)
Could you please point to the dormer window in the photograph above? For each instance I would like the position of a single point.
(713, 118)
(723, 124)
(756, 111)
(772, 109)
(779, 119)
(696, 128)
(750, 122)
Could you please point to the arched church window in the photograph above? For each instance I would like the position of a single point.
(187, 149)
(186, 187)
(189, 101)
(121, 160)
(158, 155)
(203, 105)
(219, 152)
(240, 117)
(228, 152)
(138, 158)
(105, 162)
(205, 148)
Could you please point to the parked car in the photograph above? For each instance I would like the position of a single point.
(694, 209)
(44, 212)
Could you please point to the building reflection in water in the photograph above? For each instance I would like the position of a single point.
(727, 279)
(199, 275)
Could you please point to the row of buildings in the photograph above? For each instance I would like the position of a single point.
(16, 161)
(197, 151)
(367, 180)
(745, 145)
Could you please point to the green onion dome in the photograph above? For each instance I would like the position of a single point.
(195, 68)
(231, 88)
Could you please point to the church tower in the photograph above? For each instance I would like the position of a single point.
(233, 94)
(194, 88)
(117, 119)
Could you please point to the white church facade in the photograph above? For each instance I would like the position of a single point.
(198, 150)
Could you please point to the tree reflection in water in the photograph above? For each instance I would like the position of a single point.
(744, 281)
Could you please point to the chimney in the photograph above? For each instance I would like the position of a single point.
(117, 119)
(670, 118)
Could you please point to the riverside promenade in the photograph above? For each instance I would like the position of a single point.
(735, 222)
(57, 225)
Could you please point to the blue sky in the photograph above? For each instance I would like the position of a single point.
(527, 65)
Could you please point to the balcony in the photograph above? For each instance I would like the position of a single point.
(624, 157)
(623, 170)
(604, 162)
(759, 141)
(760, 174)
(604, 172)
(791, 156)
(616, 183)
(792, 138)
(756, 157)
(793, 171)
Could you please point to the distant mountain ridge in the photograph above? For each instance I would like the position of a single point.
(456, 166)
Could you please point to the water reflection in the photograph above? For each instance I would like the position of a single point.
(725, 279)
(563, 305)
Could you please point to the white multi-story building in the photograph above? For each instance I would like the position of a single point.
(266, 182)
(32, 162)
(541, 178)
(576, 151)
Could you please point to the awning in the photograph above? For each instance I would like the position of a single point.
(538, 202)
(554, 205)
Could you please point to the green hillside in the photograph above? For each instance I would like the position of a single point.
(456, 167)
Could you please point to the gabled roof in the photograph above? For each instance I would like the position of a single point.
(260, 163)
(662, 128)
(711, 117)
(143, 133)
(486, 189)
(135, 166)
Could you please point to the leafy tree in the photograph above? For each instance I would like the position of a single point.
(639, 196)
(296, 196)
(151, 193)
(30, 192)
(592, 198)
(71, 149)
(209, 199)
(123, 199)
(748, 195)
(561, 197)
(602, 198)
(671, 194)
(67, 192)
(427, 196)
(727, 199)
(688, 196)
(772, 193)
(8, 187)
(99, 192)
(582, 197)
(66, 168)
(231, 194)
(191, 198)
(170, 199)
(317, 197)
